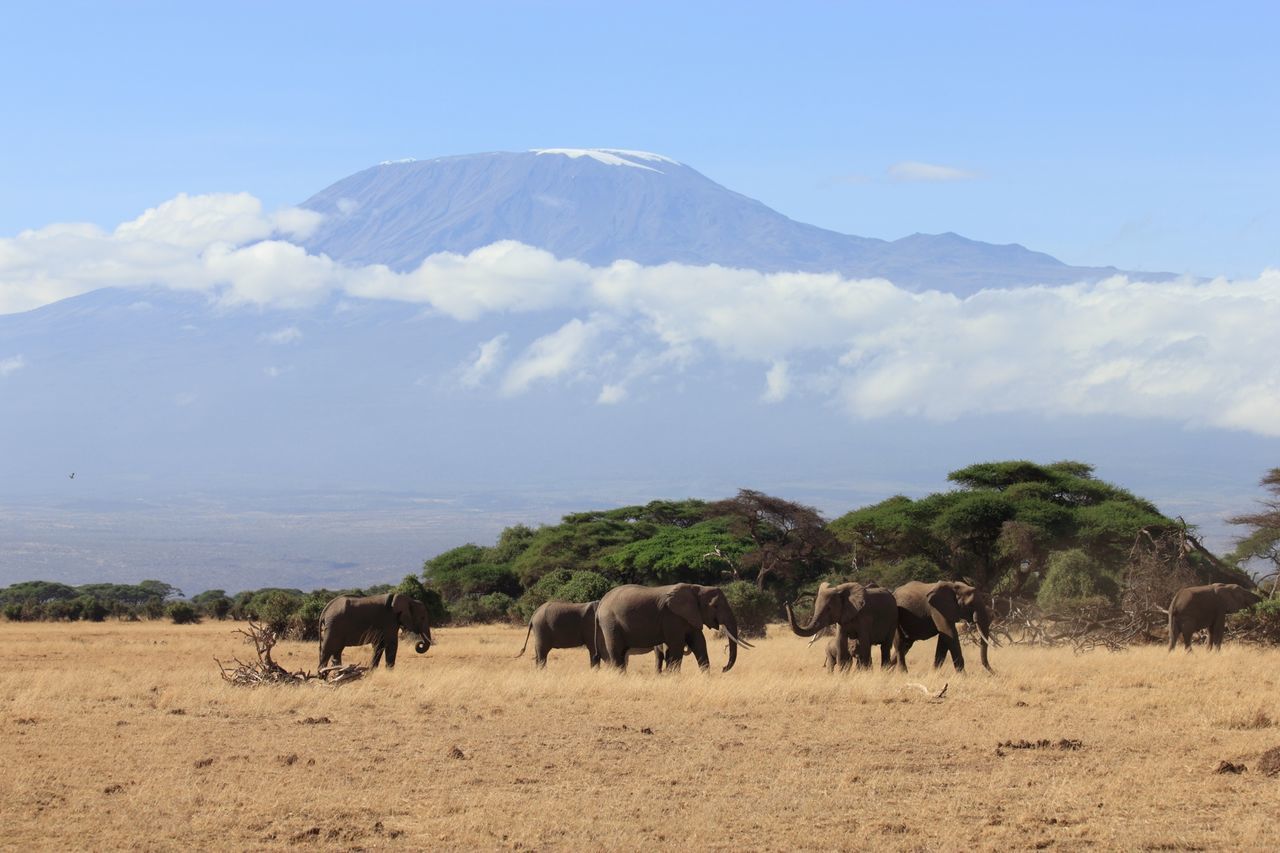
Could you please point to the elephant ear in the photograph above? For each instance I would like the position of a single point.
(400, 604)
(856, 597)
(942, 601)
(682, 600)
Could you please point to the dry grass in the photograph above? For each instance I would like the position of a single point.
(124, 736)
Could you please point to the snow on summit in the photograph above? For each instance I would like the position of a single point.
(611, 156)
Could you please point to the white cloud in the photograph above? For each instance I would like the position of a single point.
(611, 394)
(287, 335)
(12, 364)
(487, 357)
(1197, 353)
(551, 356)
(777, 383)
(911, 170)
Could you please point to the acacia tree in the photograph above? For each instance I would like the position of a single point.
(1262, 541)
(789, 540)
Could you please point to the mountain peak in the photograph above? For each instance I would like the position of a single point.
(564, 201)
(611, 156)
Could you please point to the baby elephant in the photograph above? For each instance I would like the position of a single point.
(561, 625)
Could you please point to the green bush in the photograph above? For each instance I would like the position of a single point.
(304, 623)
(1073, 579)
(91, 609)
(542, 591)
(895, 574)
(13, 612)
(182, 613)
(274, 608)
(753, 607)
(494, 607)
(582, 587)
(1259, 624)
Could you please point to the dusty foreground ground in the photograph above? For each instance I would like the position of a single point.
(121, 735)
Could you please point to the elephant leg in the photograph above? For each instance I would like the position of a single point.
(657, 659)
(843, 656)
(901, 645)
(1187, 634)
(392, 646)
(539, 657)
(885, 661)
(1216, 630)
(949, 643)
(698, 644)
(864, 648)
(377, 656)
(615, 648)
(1173, 633)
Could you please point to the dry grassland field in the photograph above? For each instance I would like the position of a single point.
(124, 736)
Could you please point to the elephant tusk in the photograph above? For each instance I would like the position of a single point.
(736, 640)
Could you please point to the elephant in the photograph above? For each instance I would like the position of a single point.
(641, 617)
(1196, 607)
(865, 614)
(926, 609)
(349, 621)
(561, 625)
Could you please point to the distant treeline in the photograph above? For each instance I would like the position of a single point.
(1053, 533)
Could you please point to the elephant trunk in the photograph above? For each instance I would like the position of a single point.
(806, 631)
(424, 641)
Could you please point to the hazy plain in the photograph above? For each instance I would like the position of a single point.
(123, 735)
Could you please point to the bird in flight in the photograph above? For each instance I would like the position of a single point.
(72, 475)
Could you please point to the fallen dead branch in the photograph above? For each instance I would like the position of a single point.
(266, 671)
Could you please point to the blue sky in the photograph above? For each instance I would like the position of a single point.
(1099, 134)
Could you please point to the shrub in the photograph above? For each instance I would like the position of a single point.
(13, 612)
(1073, 579)
(494, 607)
(304, 623)
(1259, 624)
(895, 574)
(182, 613)
(753, 607)
(91, 609)
(582, 587)
(274, 608)
(542, 591)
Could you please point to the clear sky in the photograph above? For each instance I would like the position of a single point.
(1141, 135)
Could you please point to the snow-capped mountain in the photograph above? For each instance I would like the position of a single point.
(604, 205)
(236, 363)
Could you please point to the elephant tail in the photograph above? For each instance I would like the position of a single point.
(1173, 629)
(526, 639)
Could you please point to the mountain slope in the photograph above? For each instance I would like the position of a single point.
(601, 206)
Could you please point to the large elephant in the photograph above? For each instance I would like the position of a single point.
(1196, 607)
(928, 609)
(377, 619)
(865, 614)
(641, 617)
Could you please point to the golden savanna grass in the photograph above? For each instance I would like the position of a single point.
(123, 735)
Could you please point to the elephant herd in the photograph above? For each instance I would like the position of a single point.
(668, 621)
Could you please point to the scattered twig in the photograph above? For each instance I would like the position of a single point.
(266, 671)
